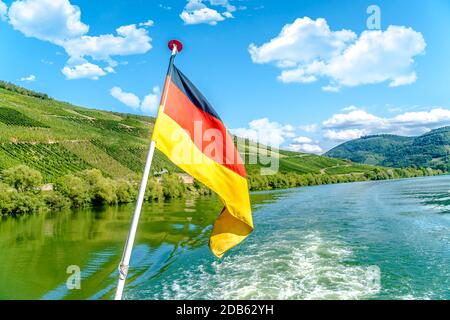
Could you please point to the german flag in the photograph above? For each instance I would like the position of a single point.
(192, 135)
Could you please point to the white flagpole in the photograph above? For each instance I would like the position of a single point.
(124, 264)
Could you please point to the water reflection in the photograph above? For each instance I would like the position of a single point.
(36, 250)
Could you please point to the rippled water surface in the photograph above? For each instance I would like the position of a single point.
(371, 240)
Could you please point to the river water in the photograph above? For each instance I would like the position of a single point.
(370, 240)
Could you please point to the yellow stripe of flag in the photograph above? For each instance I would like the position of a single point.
(235, 222)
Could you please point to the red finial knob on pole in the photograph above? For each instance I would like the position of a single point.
(177, 43)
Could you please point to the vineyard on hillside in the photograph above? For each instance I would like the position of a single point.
(96, 158)
(57, 138)
(110, 125)
(12, 117)
(52, 160)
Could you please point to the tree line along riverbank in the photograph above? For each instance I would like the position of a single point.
(22, 190)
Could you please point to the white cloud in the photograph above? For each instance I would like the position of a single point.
(296, 75)
(349, 108)
(110, 69)
(303, 41)
(193, 5)
(309, 128)
(436, 116)
(162, 6)
(353, 118)
(403, 80)
(266, 132)
(204, 15)
(304, 144)
(302, 140)
(59, 22)
(351, 123)
(330, 88)
(30, 78)
(128, 99)
(50, 20)
(344, 135)
(224, 3)
(308, 50)
(47, 62)
(196, 12)
(395, 109)
(85, 70)
(357, 123)
(129, 40)
(3, 10)
(228, 15)
(305, 147)
(149, 104)
(148, 23)
(378, 56)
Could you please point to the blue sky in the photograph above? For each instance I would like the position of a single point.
(325, 79)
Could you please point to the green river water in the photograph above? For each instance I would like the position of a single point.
(370, 240)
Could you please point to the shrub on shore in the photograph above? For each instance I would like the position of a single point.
(56, 201)
(101, 190)
(6, 198)
(22, 178)
(125, 191)
(172, 186)
(75, 189)
(154, 190)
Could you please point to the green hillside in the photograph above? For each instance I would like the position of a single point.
(431, 150)
(57, 138)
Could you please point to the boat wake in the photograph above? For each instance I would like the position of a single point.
(288, 266)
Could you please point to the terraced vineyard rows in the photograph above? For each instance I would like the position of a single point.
(111, 125)
(133, 157)
(97, 159)
(13, 117)
(347, 170)
(307, 163)
(52, 160)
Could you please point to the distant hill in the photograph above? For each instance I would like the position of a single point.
(58, 138)
(429, 150)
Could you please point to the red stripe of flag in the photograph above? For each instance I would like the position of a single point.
(186, 114)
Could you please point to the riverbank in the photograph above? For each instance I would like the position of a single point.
(294, 180)
(22, 190)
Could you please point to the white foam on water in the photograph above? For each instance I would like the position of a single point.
(293, 267)
(424, 296)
